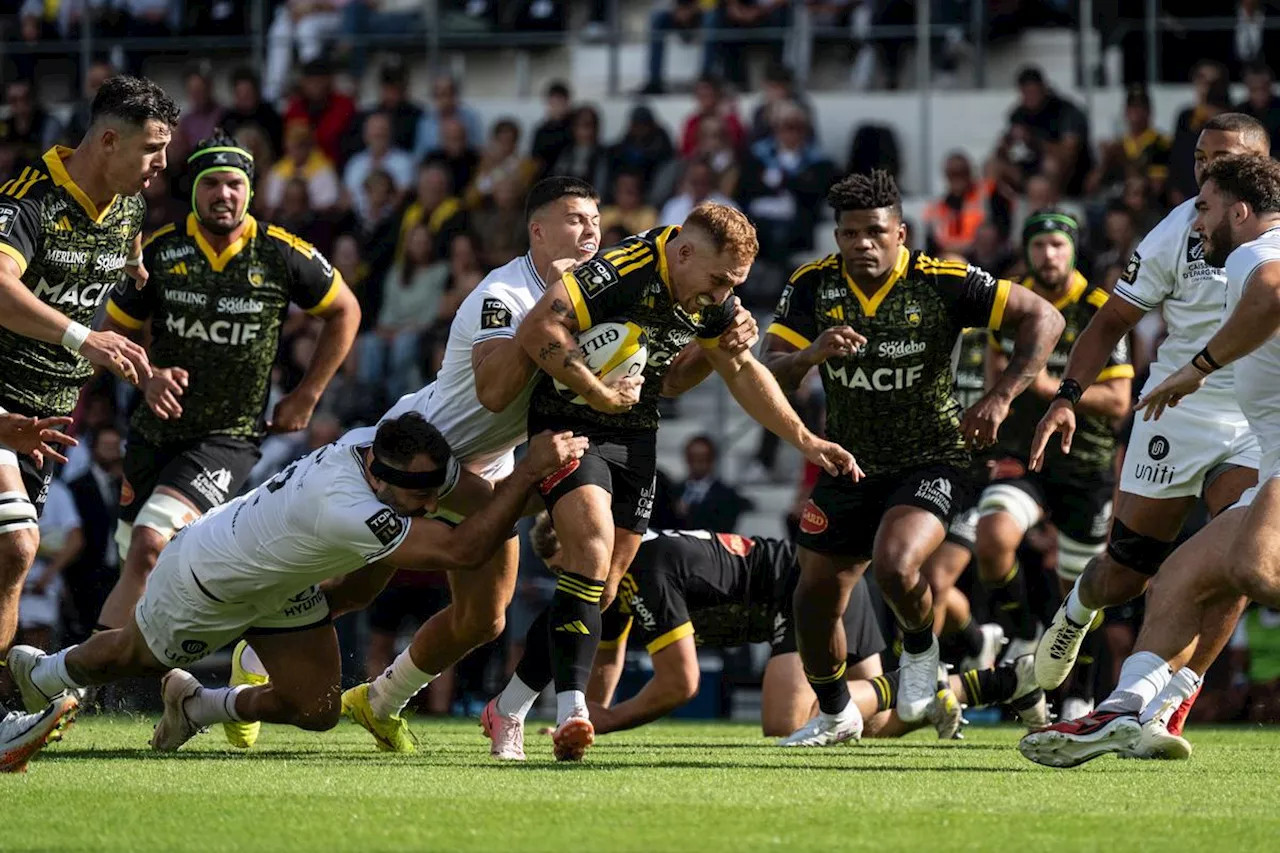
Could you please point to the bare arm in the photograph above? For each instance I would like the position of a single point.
(1036, 327)
(341, 321)
(686, 372)
(606, 671)
(790, 364)
(1115, 319)
(674, 682)
(502, 369)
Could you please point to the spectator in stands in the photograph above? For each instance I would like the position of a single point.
(628, 209)
(1262, 102)
(1209, 82)
(778, 89)
(30, 129)
(727, 50)
(1044, 125)
(1120, 229)
(201, 115)
(162, 207)
(952, 222)
(329, 112)
(137, 19)
(434, 204)
(1137, 197)
(303, 159)
(296, 213)
(584, 157)
(1043, 190)
(466, 270)
(389, 20)
(555, 132)
(61, 541)
(697, 186)
(645, 147)
(500, 162)
(990, 250)
(390, 355)
(97, 74)
(455, 154)
(682, 17)
(249, 109)
(379, 153)
(711, 100)
(96, 493)
(703, 500)
(1250, 42)
(615, 235)
(501, 221)
(254, 140)
(393, 101)
(1142, 149)
(784, 180)
(719, 154)
(38, 21)
(446, 105)
(376, 222)
(304, 24)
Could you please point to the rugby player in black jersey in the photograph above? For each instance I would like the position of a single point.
(677, 284)
(883, 323)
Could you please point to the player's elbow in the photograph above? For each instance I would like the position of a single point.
(491, 397)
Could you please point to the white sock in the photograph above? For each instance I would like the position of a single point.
(1142, 678)
(251, 663)
(208, 706)
(50, 674)
(517, 698)
(570, 703)
(1076, 611)
(1184, 683)
(400, 682)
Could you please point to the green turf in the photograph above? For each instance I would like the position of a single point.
(669, 787)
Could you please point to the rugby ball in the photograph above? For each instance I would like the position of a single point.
(613, 351)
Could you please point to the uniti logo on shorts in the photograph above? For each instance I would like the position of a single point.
(555, 479)
(937, 492)
(812, 519)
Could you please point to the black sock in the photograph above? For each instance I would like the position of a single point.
(534, 668)
(972, 634)
(573, 630)
(832, 690)
(1010, 601)
(917, 641)
(886, 687)
(989, 686)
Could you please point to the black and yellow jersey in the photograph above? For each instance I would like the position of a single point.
(892, 403)
(70, 254)
(218, 316)
(722, 588)
(971, 366)
(630, 281)
(1094, 447)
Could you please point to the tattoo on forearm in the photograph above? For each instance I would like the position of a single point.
(574, 356)
(548, 351)
(558, 306)
(565, 312)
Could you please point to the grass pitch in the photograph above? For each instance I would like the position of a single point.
(668, 787)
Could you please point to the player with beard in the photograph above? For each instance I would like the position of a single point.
(882, 323)
(70, 225)
(220, 289)
(1202, 448)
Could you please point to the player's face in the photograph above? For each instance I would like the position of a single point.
(221, 200)
(1052, 257)
(135, 155)
(408, 502)
(869, 241)
(568, 228)
(702, 277)
(1213, 222)
(1216, 144)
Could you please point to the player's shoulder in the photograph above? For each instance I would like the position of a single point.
(1170, 233)
(166, 237)
(515, 278)
(923, 265)
(814, 270)
(1094, 295)
(637, 253)
(284, 239)
(31, 186)
(1246, 257)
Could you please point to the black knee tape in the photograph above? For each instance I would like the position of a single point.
(1142, 554)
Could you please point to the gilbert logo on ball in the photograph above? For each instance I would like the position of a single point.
(611, 351)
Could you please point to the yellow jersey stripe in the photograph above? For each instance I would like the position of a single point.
(10, 186)
(825, 263)
(792, 337)
(1096, 298)
(18, 257)
(639, 264)
(124, 318)
(618, 256)
(26, 188)
(674, 635)
(1116, 371)
(996, 320)
(334, 289)
(158, 233)
(580, 310)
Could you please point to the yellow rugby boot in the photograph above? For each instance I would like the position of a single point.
(391, 733)
(242, 735)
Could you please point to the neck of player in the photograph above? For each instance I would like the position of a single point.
(87, 169)
(220, 242)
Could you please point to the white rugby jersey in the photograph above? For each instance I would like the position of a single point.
(315, 520)
(1168, 272)
(1257, 375)
(493, 310)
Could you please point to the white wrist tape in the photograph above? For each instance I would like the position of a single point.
(75, 336)
(134, 262)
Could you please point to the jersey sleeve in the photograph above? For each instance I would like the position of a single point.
(606, 286)
(1148, 279)
(361, 525)
(132, 306)
(19, 228)
(614, 628)
(1119, 363)
(977, 298)
(665, 613)
(795, 317)
(313, 282)
(500, 313)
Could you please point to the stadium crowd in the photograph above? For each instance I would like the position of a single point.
(415, 202)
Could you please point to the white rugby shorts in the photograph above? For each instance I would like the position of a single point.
(1171, 457)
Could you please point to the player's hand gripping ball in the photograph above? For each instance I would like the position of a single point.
(613, 351)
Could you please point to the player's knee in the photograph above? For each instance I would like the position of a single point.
(480, 627)
(997, 546)
(145, 546)
(17, 553)
(320, 715)
(896, 581)
(1132, 550)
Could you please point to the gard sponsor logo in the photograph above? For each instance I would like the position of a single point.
(936, 492)
(177, 253)
(67, 257)
(878, 379)
(900, 349)
(186, 297)
(812, 519)
(643, 613)
(88, 296)
(221, 332)
(239, 305)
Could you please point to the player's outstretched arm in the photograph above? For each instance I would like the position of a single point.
(690, 367)
(1255, 320)
(758, 392)
(547, 336)
(790, 364)
(38, 438)
(502, 370)
(675, 682)
(341, 322)
(432, 546)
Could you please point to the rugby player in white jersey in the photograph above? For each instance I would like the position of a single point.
(253, 567)
(1202, 448)
(1237, 555)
